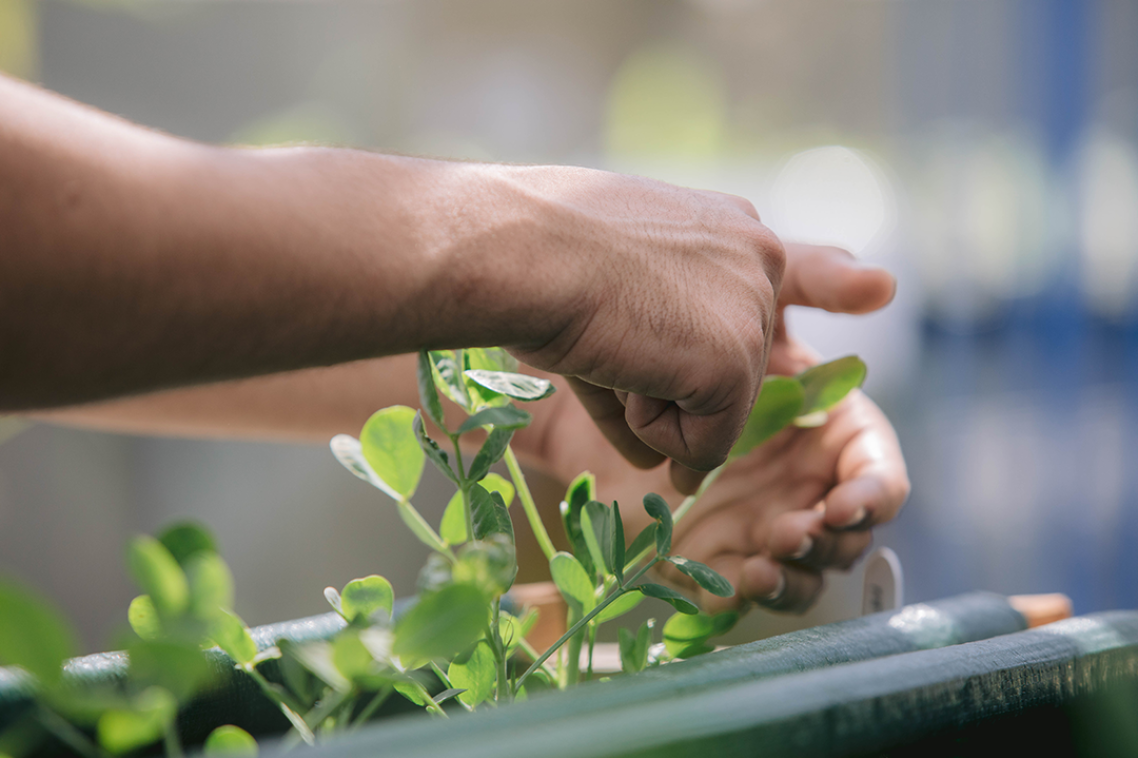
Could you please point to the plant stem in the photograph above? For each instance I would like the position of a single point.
(688, 503)
(294, 718)
(533, 654)
(623, 588)
(504, 692)
(464, 487)
(170, 739)
(372, 706)
(530, 507)
(591, 633)
(68, 734)
(573, 652)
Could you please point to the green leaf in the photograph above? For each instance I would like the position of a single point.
(574, 583)
(827, 384)
(448, 376)
(670, 596)
(442, 624)
(420, 528)
(597, 528)
(186, 539)
(351, 657)
(122, 731)
(316, 657)
(332, 595)
(159, 575)
(780, 401)
(643, 541)
(435, 574)
(582, 490)
(453, 526)
(33, 635)
(658, 509)
(392, 448)
(619, 607)
(513, 630)
(490, 565)
(143, 618)
(517, 386)
(489, 514)
(432, 450)
(363, 597)
(211, 585)
(616, 560)
(634, 648)
(497, 483)
(232, 636)
(428, 394)
(492, 451)
(178, 668)
(230, 740)
(412, 692)
(490, 359)
(705, 576)
(686, 636)
(506, 417)
(475, 672)
(350, 454)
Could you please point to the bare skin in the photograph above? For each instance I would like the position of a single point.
(133, 261)
(752, 525)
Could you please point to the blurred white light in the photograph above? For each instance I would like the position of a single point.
(988, 222)
(832, 196)
(1108, 223)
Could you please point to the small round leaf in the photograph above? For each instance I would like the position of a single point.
(33, 635)
(442, 624)
(143, 618)
(186, 539)
(392, 449)
(363, 597)
(159, 575)
(230, 740)
(232, 636)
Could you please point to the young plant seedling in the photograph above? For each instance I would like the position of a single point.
(456, 634)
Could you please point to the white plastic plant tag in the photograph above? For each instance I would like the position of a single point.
(883, 584)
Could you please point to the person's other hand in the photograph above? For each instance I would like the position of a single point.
(673, 312)
(803, 502)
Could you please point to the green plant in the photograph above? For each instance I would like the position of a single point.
(457, 635)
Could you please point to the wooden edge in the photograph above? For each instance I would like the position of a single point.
(1042, 609)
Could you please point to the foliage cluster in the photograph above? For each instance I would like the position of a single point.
(456, 643)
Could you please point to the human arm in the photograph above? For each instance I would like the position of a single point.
(136, 262)
(751, 525)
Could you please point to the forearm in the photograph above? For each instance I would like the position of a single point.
(134, 261)
(310, 405)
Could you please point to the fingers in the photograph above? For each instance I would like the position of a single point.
(778, 586)
(833, 280)
(802, 538)
(684, 479)
(873, 482)
(700, 442)
(607, 412)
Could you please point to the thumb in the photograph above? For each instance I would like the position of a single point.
(833, 280)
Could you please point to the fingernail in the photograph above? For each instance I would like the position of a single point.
(777, 590)
(857, 518)
(804, 548)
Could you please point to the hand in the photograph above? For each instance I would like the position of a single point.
(672, 313)
(801, 503)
